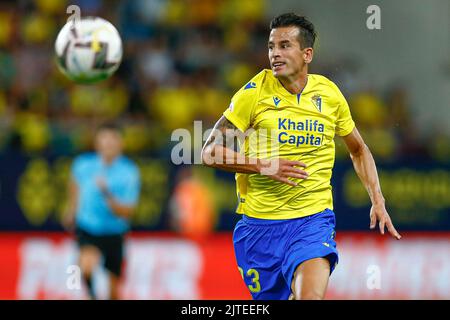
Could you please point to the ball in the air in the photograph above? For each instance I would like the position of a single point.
(88, 50)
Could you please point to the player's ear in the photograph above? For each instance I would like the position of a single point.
(308, 54)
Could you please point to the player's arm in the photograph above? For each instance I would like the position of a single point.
(365, 167)
(219, 152)
(118, 208)
(69, 214)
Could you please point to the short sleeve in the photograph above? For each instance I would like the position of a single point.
(344, 121)
(131, 188)
(242, 105)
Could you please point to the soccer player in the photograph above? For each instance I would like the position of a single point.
(104, 190)
(287, 119)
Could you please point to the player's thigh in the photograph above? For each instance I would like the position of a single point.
(310, 279)
(89, 257)
(112, 250)
(259, 265)
(264, 283)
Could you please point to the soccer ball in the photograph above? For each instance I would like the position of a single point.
(88, 50)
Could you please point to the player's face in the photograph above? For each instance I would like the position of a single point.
(108, 143)
(286, 57)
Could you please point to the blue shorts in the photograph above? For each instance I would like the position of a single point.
(269, 251)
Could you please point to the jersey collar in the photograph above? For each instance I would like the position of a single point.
(291, 95)
(287, 93)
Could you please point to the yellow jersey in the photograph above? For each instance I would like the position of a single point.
(298, 127)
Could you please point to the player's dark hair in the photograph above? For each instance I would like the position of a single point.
(307, 34)
(109, 126)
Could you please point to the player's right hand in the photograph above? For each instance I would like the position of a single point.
(282, 170)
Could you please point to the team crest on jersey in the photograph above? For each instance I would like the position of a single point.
(276, 100)
(317, 101)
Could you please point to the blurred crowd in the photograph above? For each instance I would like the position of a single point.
(183, 60)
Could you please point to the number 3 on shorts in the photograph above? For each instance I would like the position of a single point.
(256, 287)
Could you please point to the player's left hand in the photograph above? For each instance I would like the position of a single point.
(378, 213)
(101, 184)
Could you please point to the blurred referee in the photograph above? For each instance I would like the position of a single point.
(103, 192)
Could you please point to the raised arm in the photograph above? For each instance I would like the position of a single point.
(122, 210)
(366, 170)
(219, 152)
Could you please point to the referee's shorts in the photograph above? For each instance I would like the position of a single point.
(110, 246)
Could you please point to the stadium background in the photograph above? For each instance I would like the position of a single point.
(183, 59)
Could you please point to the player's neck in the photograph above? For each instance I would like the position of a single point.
(108, 160)
(295, 84)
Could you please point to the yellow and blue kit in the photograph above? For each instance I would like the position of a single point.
(282, 225)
